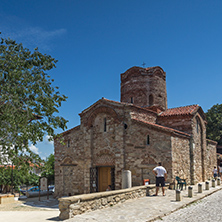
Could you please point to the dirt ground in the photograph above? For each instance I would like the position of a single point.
(31, 204)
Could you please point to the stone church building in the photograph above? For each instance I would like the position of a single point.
(134, 134)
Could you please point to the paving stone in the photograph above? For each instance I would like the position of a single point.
(146, 209)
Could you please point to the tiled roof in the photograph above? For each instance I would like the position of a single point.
(213, 142)
(162, 127)
(184, 110)
(130, 104)
(116, 102)
(68, 131)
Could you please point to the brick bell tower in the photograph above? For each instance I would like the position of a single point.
(145, 87)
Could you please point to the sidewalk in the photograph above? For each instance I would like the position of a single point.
(30, 210)
(147, 208)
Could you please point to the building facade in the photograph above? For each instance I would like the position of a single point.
(134, 134)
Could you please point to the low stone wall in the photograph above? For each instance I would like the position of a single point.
(74, 205)
(4, 199)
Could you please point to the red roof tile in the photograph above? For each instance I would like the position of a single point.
(184, 110)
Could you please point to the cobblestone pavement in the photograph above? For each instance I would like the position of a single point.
(205, 210)
(144, 209)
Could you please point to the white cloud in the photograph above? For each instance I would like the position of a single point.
(31, 37)
(34, 149)
(46, 139)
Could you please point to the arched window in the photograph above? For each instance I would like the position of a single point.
(148, 140)
(104, 124)
(151, 100)
(197, 125)
(131, 99)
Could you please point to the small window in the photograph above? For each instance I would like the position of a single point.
(131, 99)
(68, 143)
(151, 100)
(197, 126)
(148, 140)
(104, 124)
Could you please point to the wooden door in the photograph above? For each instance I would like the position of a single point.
(104, 178)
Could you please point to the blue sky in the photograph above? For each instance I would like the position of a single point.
(97, 40)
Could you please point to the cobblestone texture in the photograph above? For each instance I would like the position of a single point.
(207, 210)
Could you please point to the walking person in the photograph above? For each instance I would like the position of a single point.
(161, 176)
(215, 172)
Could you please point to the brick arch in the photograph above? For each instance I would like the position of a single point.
(158, 71)
(138, 95)
(132, 72)
(67, 161)
(149, 160)
(103, 109)
(104, 158)
(200, 120)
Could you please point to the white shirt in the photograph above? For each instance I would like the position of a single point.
(160, 171)
(215, 170)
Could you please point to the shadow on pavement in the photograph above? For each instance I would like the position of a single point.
(54, 219)
(50, 203)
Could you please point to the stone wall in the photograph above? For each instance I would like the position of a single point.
(211, 158)
(103, 127)
(69, 171)
(182, 123)
(198, 148)
(143, 114)
(71, 206)
(181, 158)
(141, 157)
(144, 87)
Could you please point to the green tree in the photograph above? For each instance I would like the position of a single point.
(18, 176)
(28, 100)
(48, 169)
(214, 123)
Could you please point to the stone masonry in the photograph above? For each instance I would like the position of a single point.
(134, 134)
(72, 206)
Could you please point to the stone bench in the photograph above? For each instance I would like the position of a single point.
(74, 205)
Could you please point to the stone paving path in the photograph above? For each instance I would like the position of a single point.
(143, 209)
(207, 210)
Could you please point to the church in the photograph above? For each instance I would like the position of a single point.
(133, 134)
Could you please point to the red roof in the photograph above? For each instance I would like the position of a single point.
(184, 110)
(8, 165)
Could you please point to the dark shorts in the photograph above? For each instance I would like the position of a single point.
(160, 180)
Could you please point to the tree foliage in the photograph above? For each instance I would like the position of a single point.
(214, 123)
(48, 169)
(18, 176)
(28, 100)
